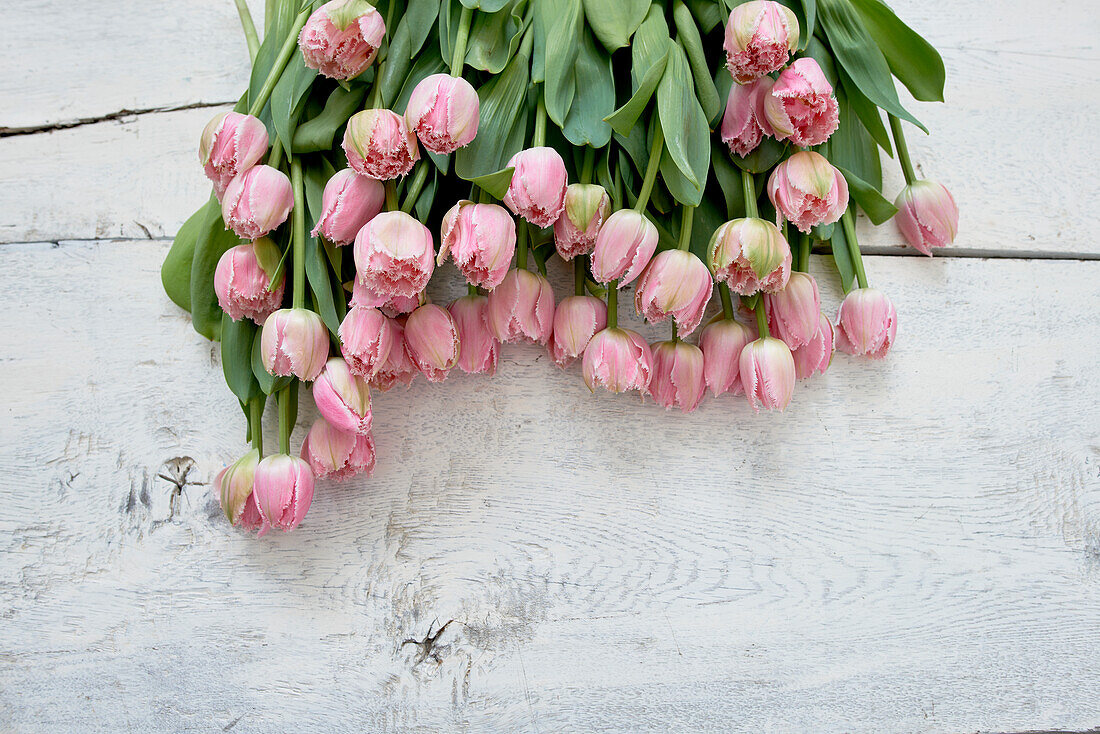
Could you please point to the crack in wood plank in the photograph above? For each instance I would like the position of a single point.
(10, 132)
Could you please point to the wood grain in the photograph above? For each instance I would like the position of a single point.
(913, 546)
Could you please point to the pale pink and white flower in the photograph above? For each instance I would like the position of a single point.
(283, 488)
(678, 380)
(618, 360)
(233, 486)
(586, 208)
(366, 337)
(334, 454)
(576, 320)
(242, 279)
(479, 348)
(817, 354)
(257, 201)
(481, 238)
(750, 255)
(767, 373)
(927, 215)
(624, 246)
(294, 341)
(379, 144)
(521, 308)
(444, 113)
(341, 38)
(537, 190)
(867, 323)
(432, 340)
(343, 398)
(348, 203)
(744, 124)
(676, 283)
(808, 190)
(800, 106)
(391, 306)
(722, 342)
(760, 37)
(394, 255)
(231, 143)
(399, 367)
(793, 313)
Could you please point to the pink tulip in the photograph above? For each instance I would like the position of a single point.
(283, 490)
(432, 340)
(760, 36)
(479, 346)
(576, 320)
(251, 518)
(767, 373)
(750, 255)
(586, 208)
(521, 308)
(537, 191)
(256, 202)
(342, 398)
(794, 312)
(242, 278)
(231, 144)
(678, 380)
(624, 246)
(808, 190)
(379, 144)
(444, 112)
(867, 323)
(294, 341)
(722, 342)
(801, 106)
(618, 360)
(482, 239)
(815, 356)
(391, 306)
(233, 485)
(333, 454)
(399, 366)
(744, 124)
(927, 215)
(394, 255)
(366, 337)
(349, 202)
(341, 38)
(675, 283)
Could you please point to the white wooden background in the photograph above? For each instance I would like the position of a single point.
(913, 546)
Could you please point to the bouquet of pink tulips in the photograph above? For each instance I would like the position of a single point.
(498, 133)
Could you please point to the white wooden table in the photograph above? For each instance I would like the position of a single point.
(913, 546)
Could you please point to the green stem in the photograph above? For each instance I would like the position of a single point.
(255, 419)
(675, 332)
(804, 253)
(761, 318)
(579, 271)
(285, 428)
(613, 304)
(471, 289)
(459, 57)
(748, 187)
(651, 168)
(416, 186)
(249, 28)
(539, 138)
(298, 233)
(521, 246)
(727, 300)
(275, 159)
(281, 61)
(903, 150)
(589, 164)
(391, 196)
(686, 217)
(853, 247)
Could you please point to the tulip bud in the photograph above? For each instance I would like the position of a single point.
(927, 215)
(537, 190)
(399, 366)
(750, 255)
(294, 341)
(586, 208)
(257, 201)
(391, 306)
(341, 38)
(432, 340)
(479, 346)
(242, 278)
(675, 283)
(482, 239)
(366, 337)
(624, 246)
(677, 376)
(808, 190)
(722, 341)
(744, 124)
(394, 255)
(349, 202)
(233, 485)
(867, 323)
(521, 308)
(379, 144)
(342, 398)
(794, 312)
(333, 454)
(576, 320)
(801, 106)
(760, 36)
(251, 518)
(284, 490)
(231, 144)
(767, 374)
(618, 360)
(444, 112)
(816, 355)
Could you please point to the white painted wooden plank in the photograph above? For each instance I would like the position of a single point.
(66, 62)
(913, 546)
